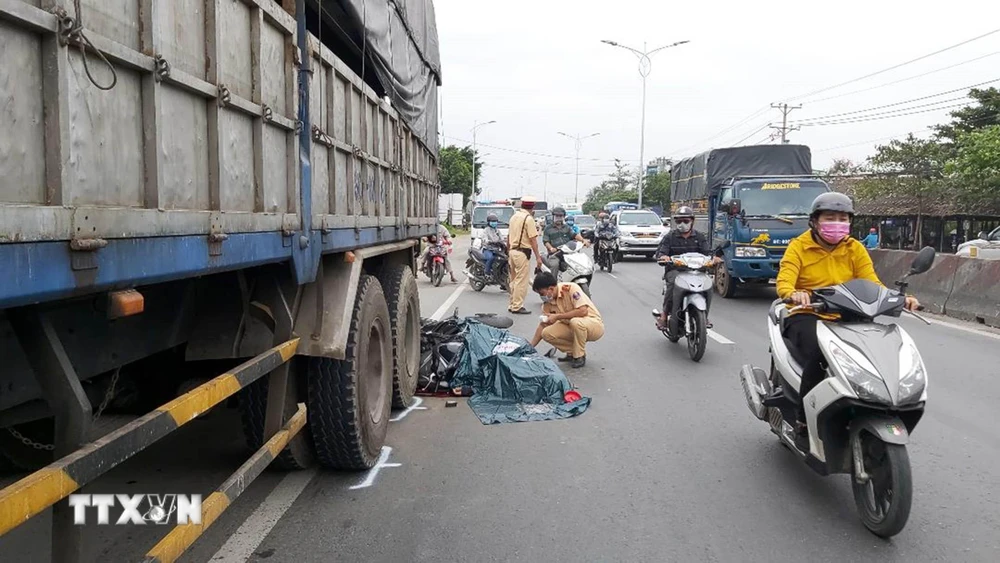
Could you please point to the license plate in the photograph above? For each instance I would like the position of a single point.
(645, 236)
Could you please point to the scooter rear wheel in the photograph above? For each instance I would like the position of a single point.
(884, 501)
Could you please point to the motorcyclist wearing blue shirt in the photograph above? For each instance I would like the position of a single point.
(492, 241)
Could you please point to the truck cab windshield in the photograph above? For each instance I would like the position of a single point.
(769, 198)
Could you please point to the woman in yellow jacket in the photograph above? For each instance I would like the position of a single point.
(824, 255)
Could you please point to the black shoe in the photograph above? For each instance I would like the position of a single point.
(566, 358)
(578, 362)
(521, 311)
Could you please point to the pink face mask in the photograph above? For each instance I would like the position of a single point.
(834, 232)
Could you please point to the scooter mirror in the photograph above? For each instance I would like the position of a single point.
(923, 261)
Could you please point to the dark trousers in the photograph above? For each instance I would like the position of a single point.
(671, 302)
(800, 330)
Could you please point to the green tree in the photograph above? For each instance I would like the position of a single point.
(984, 113)
(656, 190)
(976, 164)
(620, 186)
(843, 167)
(456, 171)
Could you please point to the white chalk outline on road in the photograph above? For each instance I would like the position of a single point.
(719, 338)
(443, 309)
(369, 479)
(417, 401)
(240, 547)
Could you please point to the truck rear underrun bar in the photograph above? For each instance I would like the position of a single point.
(47, 486)
(171, 547)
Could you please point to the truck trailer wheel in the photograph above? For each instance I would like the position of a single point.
(298, 454)
(350, 400)
(400, 287)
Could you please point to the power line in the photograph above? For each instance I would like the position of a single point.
(873, 117)
(724, 131)
(494, 147)
(901, 80)
(752, 134)
(836, 117)
(962, 89)
(502, 167)
(894, 67)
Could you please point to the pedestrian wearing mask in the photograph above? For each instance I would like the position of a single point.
(569, 319)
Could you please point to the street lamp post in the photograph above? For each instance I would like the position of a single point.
(645, 67)
(579, 143)
(475, 126)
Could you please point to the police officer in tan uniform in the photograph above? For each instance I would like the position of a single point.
(522, 239)
(569, 319)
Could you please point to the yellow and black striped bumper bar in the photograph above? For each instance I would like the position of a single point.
(47, 486)
(183, 536)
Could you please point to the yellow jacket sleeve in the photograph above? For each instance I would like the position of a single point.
(863, 267)
(788, 274)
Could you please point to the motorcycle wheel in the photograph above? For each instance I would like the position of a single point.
(477, 285)
(610, 261)
(586, 288)
(438, 274)
(884, 500)
(697, 341)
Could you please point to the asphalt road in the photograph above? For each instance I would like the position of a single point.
(667, 465)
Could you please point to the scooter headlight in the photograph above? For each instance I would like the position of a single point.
(912, 374)
(866, 383)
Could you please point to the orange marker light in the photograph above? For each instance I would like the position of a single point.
(125, 303)
(349, 257)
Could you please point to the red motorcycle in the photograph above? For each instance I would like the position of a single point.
(434, 264)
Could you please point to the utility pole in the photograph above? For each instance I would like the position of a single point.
(785, 109)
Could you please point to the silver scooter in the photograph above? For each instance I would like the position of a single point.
(577, 265)
(690, 320)
(860, 416)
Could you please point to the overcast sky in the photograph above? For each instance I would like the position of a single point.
(538, 68)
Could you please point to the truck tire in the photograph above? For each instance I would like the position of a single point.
(350, 400)
(725, 284)
(400, 287)
(298, 454)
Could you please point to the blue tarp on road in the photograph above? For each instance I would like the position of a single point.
(511, 381)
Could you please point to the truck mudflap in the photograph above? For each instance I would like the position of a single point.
(44, 488)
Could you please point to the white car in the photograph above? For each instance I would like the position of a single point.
(481, 212)
(986, 247)
(641, 231)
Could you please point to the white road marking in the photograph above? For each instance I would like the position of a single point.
(959, 327)
(719, 338)
(374, 471)
(241, 546)
(417, 401)
(612, 275)
(443, 309)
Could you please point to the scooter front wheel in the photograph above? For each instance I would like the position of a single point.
(697, 339)
(885, 497)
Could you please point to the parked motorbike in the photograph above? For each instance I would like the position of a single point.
(691, 285)
(475, 269)
(575, 265)
(860, 416)
(434, 263)
(607, 250)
